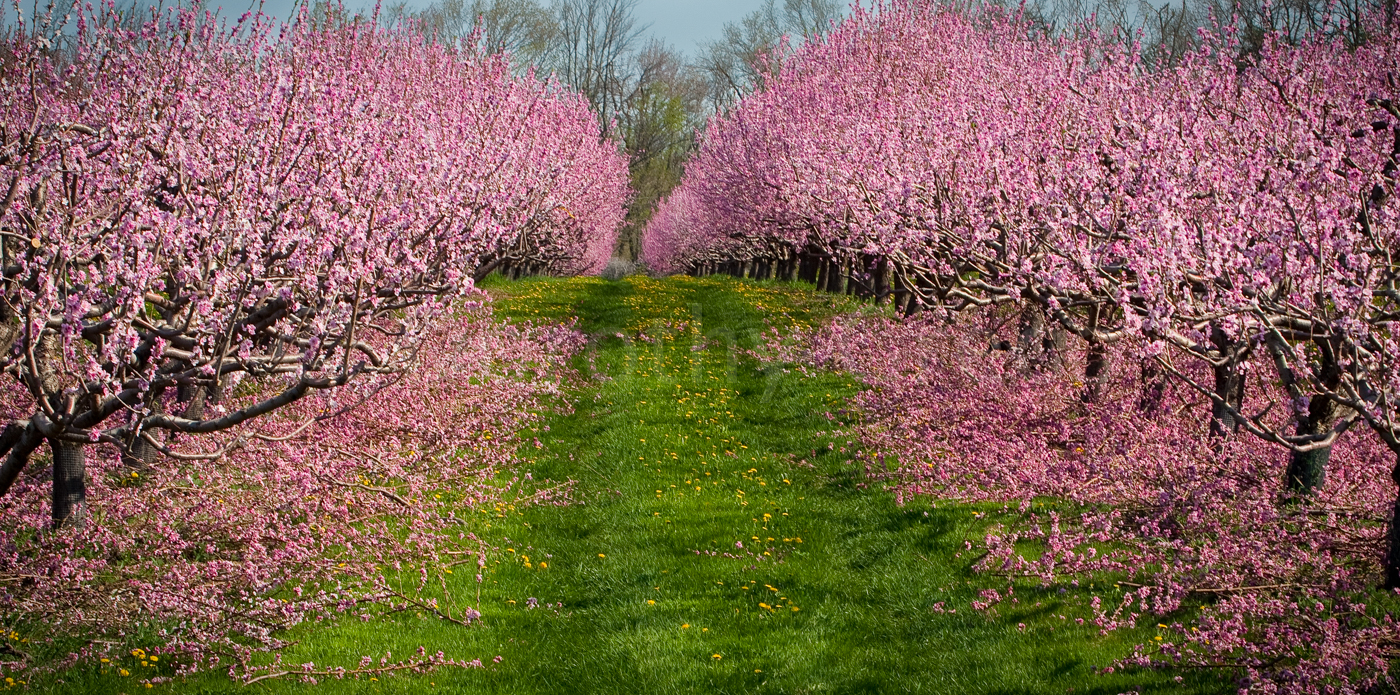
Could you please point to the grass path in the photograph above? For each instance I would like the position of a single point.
(720, 540)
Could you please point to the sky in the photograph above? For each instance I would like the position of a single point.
(684, 24)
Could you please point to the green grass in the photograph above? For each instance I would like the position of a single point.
(686, 445)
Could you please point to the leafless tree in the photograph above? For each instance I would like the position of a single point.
(664, 107)
(591, 48)
(521, 28)
(737, 60)
(1166, 31)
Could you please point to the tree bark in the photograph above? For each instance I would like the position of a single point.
(1229, 386)
(1307, 470)
(822, 271)
(69, 484)
(1154, 387)
(139, 454)
(17, 442)
(913, 304)
(192, 397)
(1094, 372)
(1030, 336)
(1229, 389)
(1392, 554)
(883, 278)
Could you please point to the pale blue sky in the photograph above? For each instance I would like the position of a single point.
(684, 24)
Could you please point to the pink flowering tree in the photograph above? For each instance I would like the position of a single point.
(193, 209)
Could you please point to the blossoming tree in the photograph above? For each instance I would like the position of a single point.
(191, 208)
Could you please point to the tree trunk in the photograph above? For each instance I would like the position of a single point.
(69, 484)
(140, 453)
(912, 304)
(1094, 372)
(883, 281)
(1229, 389)
(1307, 470)
(1154, 387)
(1030, 336)
(1392, 555)
(822, 271)
(1229, 386)
(843, 277)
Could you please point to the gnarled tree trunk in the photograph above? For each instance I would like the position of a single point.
(69, 484)
(1153, 385)
(1392, 554)
(1308, 469)
(1229, 389)
(1094, 372)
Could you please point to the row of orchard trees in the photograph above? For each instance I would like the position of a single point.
(190, 204)
(1230, 213)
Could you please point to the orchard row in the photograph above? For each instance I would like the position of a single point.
(237, 311)
(1167, 291)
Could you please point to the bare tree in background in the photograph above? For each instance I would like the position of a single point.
(664, 108)
(1167, 31)
(737, 60)
(521, 28)
(592, 48)
(1292, 20)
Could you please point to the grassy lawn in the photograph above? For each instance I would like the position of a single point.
(716, 543)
